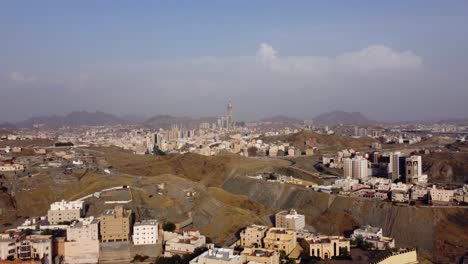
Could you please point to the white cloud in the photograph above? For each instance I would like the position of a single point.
(372, 58)
(19, 77)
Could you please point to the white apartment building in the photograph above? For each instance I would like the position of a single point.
(345, 184)
(82, 243)
(290, 220)
(441, 195)
(394, 165)
(218, 256)
(356, 168)
(185, 243)
(145, 232)
(65, 211)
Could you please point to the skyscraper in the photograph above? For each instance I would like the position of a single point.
(229, 119)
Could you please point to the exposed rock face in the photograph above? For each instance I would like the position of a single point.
(446, 167)
(439, 233)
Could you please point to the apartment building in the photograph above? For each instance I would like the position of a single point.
(441, 195)
(260, 255)
(280, 239)
(290, 220)
(145, 232)
(326, 247)
(82, 241)
(185, 243)
(252, 236)
(115, 224)
(356, 168)
(218, 256)
(65, 211)
(16, 246)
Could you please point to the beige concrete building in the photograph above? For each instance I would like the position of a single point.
(185, 243)
(82, 243)
(260, 255)
(65, 211)
(218, 256)
(290, 220)
(115, 224)
(252, 236)
(280, 239)
(326, 247)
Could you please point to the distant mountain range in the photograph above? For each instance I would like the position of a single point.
(73, 119)
(342, 117)
(84, 118)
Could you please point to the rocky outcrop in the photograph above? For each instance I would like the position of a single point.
(432, 230)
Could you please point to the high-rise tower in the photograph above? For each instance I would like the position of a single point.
(229, 120)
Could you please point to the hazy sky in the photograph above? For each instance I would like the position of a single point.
(391, 60)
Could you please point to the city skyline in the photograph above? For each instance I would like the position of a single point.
(271, 58)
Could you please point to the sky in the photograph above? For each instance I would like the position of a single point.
(391, 60)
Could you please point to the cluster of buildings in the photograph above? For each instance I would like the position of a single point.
(81, 237)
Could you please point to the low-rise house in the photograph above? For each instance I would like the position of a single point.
(441, 195)
(260, 255)
(326, 247)
(374, 235)
(400, 196)
(218, 256)
(280, 239)
(185, 243)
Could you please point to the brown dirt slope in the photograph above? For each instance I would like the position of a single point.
(446, 167)
(210, 171)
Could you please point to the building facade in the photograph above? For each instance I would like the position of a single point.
(326, 247)
(413, 169)
(252, 236)
(115, 224)
(280, 239)
(290, 220)
(145, 232)
(65, 211)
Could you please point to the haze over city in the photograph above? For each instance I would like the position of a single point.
(392, 61)
(233, 132)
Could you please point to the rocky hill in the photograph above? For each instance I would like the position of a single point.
(77, 118)
(342, 117)
(446, 167)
